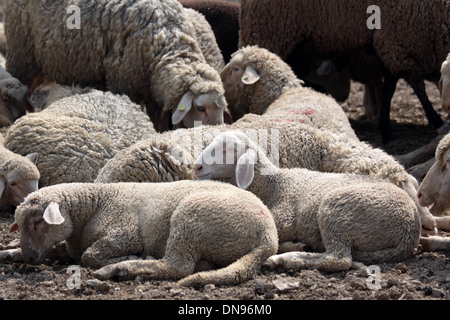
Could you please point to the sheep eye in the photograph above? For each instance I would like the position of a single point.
(5, 99)
(201, 109)
(13, 184)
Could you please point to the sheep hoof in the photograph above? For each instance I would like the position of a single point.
(116, 270)
(271, 263)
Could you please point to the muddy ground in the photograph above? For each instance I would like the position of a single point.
(424, 276)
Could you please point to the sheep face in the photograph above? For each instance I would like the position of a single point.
(203, 108)
(21, 179)
(434, 191)
(444, 86)
(41, 227)
(13, 100)
(227, 157)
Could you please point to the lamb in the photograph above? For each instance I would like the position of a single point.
(166, 71)
(411, 48)
(14, 94)
(19, 177)
(434, 191)
(343, 218)
(258, 81)
(179, 223)
(77, 134)
(170, 156)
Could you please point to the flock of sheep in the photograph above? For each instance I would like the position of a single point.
(103, 154)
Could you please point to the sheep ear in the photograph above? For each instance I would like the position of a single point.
(14, 227)
(245, 169)
(33, 157)
(325, 68)
(52, 215)
(2, 185)
(250, 76)
(183, 107)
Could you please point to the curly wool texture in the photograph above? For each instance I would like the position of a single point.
(144, 49)
(76, 135)
(179, 223)
(278, 94)
(414, 35)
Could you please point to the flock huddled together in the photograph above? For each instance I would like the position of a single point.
(182, 140)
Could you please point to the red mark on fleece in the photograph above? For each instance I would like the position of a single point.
(306, 112)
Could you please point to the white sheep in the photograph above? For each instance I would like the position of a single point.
(19, 176)
(170, 156)
(343, 218)
(434, 192)
(180, 224)
(77, 134)
(146, 49)
(258, 81)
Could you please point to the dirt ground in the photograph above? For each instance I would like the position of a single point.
(424, 276)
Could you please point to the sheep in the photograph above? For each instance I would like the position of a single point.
(433, 192)
(14, 98)
(19, 177)
(144, 49)
(179, 223)
(258, 81)
(223, 16)
(422, 154)
(170, 156)
(343, 218)
(77, 134)
(411, 48)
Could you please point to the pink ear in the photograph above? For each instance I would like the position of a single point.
(245, 169)
(14, 227)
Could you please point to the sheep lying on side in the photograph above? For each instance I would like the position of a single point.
(179, 223)
(170, 156)
(434, 192)
(13, 102)
(411, 43)
(343, 218)
(258, 81)
(145, 49)
(420, 155)
(77, 134)
(19, 176)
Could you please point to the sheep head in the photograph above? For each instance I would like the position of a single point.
(253, 79)
(20, 178)
(444, 85)
(434, 191)
(229, 156)
(13, 100)
(42, 225)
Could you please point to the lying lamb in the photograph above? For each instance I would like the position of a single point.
(179, 223)
(349, 217)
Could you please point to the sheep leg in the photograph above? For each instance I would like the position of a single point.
(289, 246)
(384, 126)
(443, 223)
(418, 85)
(435, 243)
(326, 261)
(11, 255)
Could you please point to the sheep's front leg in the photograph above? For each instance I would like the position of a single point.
(155, 269)
(443, 223)
(14, 255)
(435, 243)
(309, 260)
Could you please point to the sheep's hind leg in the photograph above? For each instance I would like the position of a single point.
(309, 260)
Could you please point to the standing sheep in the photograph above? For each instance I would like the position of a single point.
(411, 43)
(179, 223)
(146, 49)
(343, 218)
(77, 134)
(170, 156)
(258, 81)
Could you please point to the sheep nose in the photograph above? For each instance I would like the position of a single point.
(198, 168)
(419, 195)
